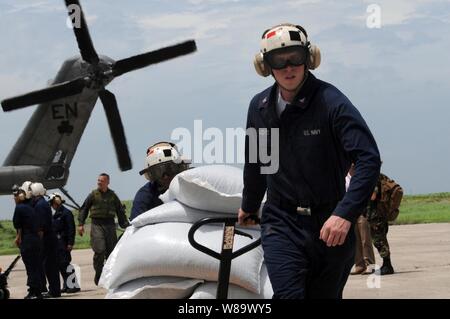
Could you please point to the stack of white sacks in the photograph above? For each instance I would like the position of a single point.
(154, 258)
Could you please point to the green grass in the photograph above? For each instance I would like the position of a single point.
(415, 209)
(420, 209)
(7, 237)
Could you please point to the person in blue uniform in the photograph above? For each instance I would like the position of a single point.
(146, 198)
(49, 242)
(162, 163)
(307, 221)
(26, 223)
(64, 228)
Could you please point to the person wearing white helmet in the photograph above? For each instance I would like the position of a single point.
(162, 163)
(64, 228)
(26, 223)
(49, 253)
(27, 189)
(307, 218)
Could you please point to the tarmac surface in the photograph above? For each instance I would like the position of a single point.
(420, 255)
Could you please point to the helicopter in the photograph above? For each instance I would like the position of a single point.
(47, 145)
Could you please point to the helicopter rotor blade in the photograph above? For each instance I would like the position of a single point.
(51, 93)
(116, 128)
(81, 31)
(152, 57)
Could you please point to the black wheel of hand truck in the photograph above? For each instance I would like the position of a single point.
(227, 254)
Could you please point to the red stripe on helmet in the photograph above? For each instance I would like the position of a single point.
(271, 34)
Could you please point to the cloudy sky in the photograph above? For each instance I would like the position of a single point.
(397, 75)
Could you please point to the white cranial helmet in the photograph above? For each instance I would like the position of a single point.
(56, 198)
(283, 36)
(162, 152)
(26, 187)
(163, 157)
(37, 189)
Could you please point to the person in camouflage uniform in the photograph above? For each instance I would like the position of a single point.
(379, 228)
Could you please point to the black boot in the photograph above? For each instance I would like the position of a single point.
(33, 294)
(387, 268)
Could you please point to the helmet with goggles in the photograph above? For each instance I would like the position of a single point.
(56, 198)
(162, 159)
(283, 45)
(18, 192)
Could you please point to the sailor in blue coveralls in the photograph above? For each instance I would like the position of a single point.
(64, 228)
(307, 222)
(49, 248)
(26, 223)
(162, 163)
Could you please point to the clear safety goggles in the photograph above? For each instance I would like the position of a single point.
(281, 58)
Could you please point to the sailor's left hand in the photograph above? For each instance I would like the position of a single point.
(335, 230)
(18, 241)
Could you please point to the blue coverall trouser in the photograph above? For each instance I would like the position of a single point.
(50, 265)
(30, 251)
(299, 263)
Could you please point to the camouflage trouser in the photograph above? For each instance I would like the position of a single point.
(103, 240)
(378, 228)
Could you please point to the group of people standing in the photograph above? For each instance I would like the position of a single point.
(45, 241)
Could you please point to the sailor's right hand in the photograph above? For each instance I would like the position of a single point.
(81, 230)
(373, 197)
(243, 219)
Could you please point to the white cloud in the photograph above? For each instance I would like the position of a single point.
(200, 25)
(399, 11)
(19, 83)
(90, 19)
(198, 2)
(42, 6)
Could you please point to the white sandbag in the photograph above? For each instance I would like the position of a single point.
(164, 250)
(173, 212)
(214, 188)
(176, 212)
(208, 290)
(155, 288)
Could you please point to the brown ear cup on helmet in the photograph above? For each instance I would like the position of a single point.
(21, 196)
(314, 57)
(57, 200)
(261, 67)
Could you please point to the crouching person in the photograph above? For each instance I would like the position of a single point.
(64, 228)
